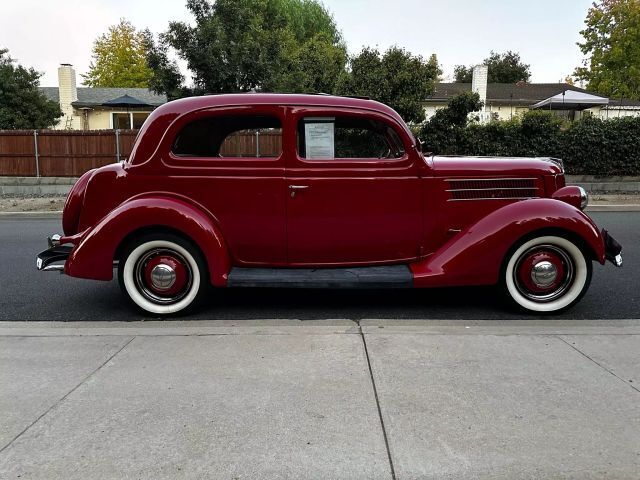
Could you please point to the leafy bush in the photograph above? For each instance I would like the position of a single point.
(588, 147)
(602, 147)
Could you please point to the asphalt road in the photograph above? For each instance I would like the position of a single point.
(27, 294)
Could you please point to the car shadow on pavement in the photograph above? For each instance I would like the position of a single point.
(75, 300)
(314, 304)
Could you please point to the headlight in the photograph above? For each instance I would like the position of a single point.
(584, 198)
(573, 195)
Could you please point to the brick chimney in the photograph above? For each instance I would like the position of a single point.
(68, 93)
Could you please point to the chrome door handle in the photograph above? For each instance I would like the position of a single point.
(295, 188)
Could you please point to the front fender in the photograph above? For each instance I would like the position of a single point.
(93, 256)
(475, 255)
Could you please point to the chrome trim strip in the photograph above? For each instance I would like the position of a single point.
(54, 268)
(493, 188)
(488, 198)
(480, 179)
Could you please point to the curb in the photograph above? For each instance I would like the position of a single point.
(157, 328)
(48, 214)
(613, 208)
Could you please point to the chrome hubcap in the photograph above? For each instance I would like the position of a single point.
(163, 277)
(544, 274)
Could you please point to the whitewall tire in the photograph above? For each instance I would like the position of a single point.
(546, 274)
(162, 274)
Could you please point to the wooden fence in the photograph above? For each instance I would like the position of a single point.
(252, 144)
(61, 153)
(64, 153)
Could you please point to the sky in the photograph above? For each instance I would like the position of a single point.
(44, 33)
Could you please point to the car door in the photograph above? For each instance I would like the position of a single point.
(230, 161)
(354, 194)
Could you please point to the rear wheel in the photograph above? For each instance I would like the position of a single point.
(547, 274)
(162, 274)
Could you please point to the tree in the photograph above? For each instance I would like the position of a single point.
(446, 125)
(503, 68)
(253, 45)
(612, 46)
(119, 58)
(397, 78)
(165, 73)
(22, 104)
(463, 74)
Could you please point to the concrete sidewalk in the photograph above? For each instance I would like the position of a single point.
(320, 399)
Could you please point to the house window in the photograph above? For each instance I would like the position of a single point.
(127, 120)
(138, 118)
(230, 137)
(120, 121)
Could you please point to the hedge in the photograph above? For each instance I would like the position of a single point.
(590, 146)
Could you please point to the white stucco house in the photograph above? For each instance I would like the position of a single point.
(505, 100)
(87, 108)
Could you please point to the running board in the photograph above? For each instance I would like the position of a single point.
(394, 276)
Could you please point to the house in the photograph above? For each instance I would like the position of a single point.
(87, 108)
(505, 100)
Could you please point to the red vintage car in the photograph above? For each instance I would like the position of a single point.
(267, 190)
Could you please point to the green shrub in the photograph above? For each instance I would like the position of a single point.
(602, 147)
(588, 147)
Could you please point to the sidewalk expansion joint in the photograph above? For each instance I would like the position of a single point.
(598, 364)
(58, 402)
(375, 394)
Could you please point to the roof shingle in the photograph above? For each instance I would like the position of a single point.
(527, 93)
(95, 97)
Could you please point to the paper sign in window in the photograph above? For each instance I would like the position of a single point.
(319, 139)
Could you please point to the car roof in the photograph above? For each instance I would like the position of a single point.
(146, 143)
(185, 105)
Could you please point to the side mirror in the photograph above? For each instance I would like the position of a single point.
(418, 145)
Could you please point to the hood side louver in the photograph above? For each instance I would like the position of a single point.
(493, 188)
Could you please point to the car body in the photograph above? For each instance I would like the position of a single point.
(343, 198)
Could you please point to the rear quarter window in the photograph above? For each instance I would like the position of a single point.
(230, 137)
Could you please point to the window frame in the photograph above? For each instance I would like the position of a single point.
(301, 113)
(130, 115)
(190, 162)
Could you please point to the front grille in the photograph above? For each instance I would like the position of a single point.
(493, 188)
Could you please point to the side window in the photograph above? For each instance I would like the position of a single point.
(324, 138)
(230, 137)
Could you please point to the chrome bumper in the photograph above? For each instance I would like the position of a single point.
(46, 260)
(612, 249)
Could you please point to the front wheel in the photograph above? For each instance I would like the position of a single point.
(162, 274)
(547, 274)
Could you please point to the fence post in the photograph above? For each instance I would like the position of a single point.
(35, 146)
(118, 145)
(258, 143)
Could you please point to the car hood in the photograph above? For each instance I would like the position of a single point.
(450, 166)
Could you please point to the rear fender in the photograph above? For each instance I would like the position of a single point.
(475, 255)
(94, 254)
